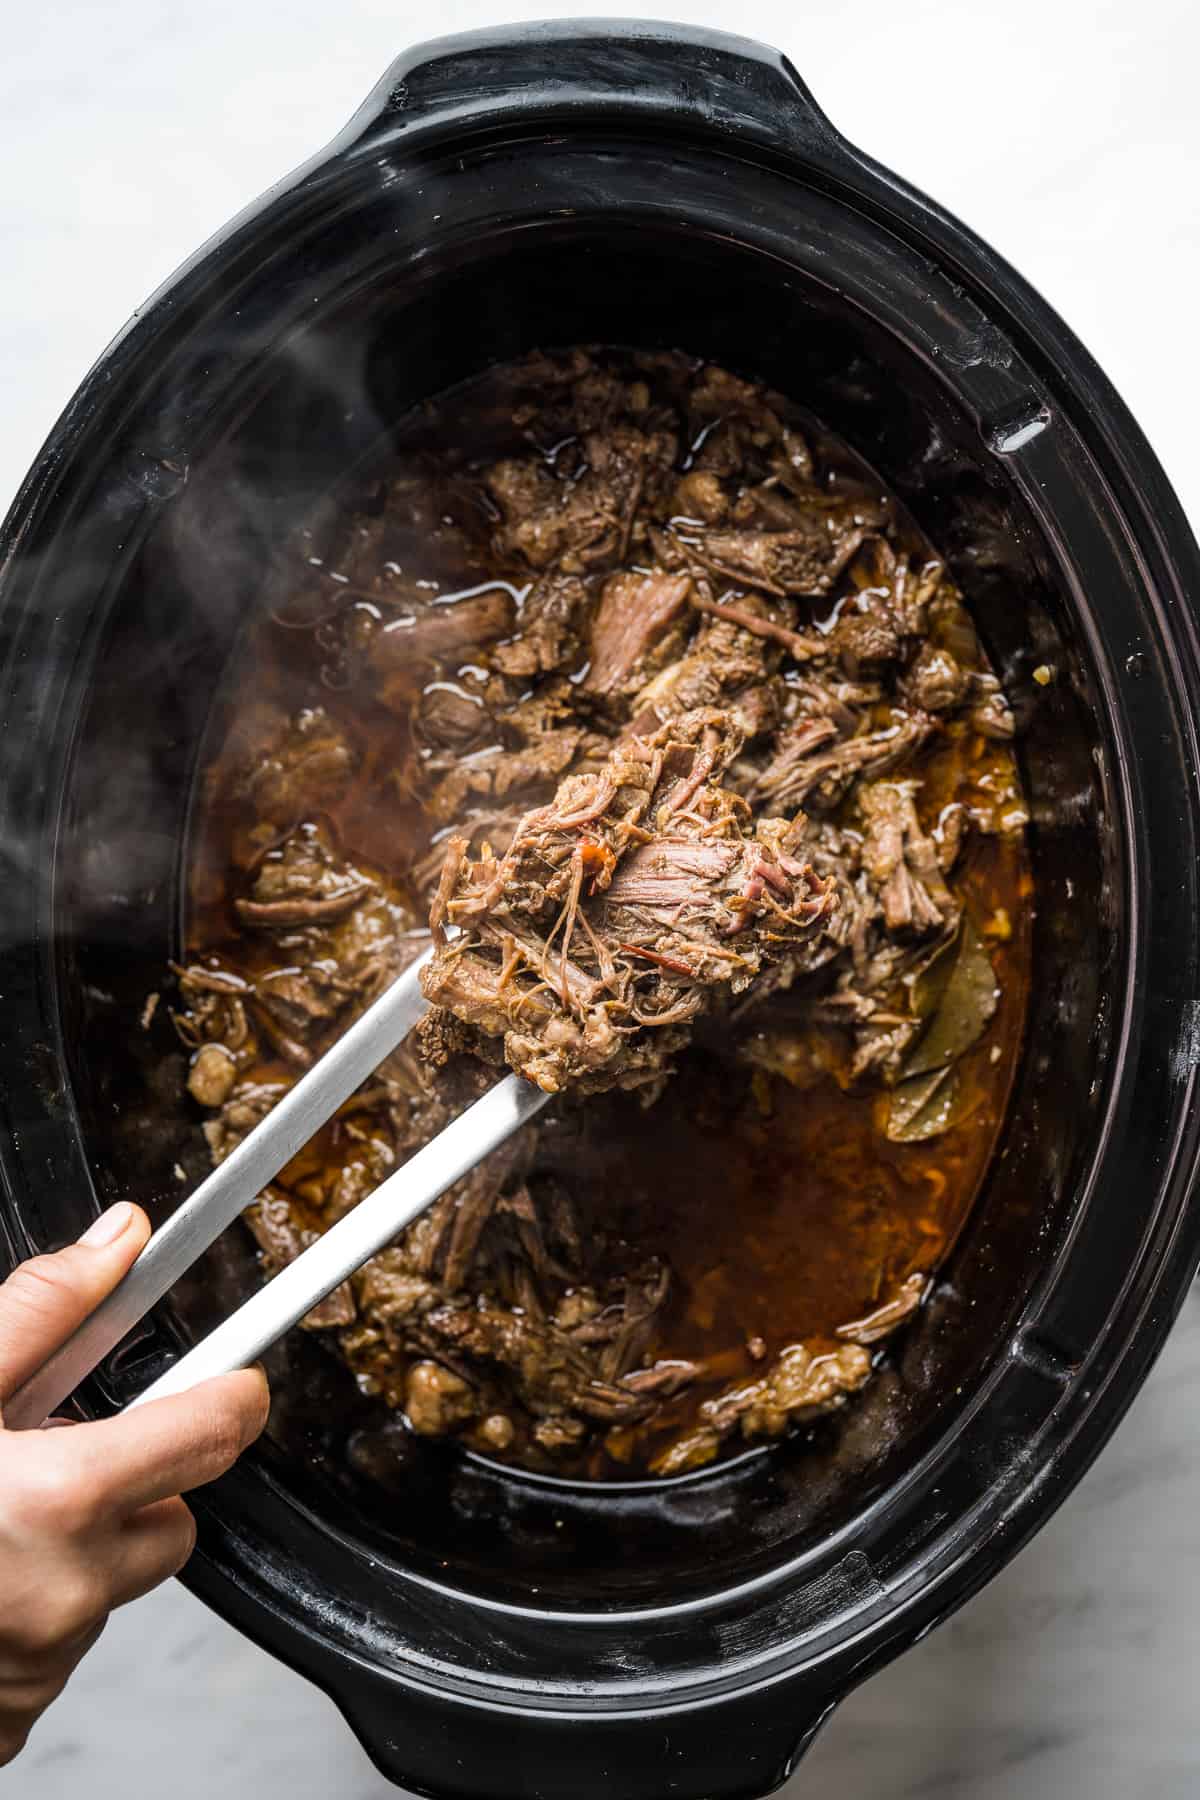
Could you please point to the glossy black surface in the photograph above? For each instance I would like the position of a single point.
(487, 1634)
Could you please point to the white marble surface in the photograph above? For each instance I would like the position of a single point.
(1066, 133)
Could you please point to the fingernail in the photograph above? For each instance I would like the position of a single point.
(108, 1227)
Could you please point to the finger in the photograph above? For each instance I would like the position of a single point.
(44, 1299)
(169, 1446)
(151, 1547)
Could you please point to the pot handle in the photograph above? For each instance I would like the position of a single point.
(732, 86)
(737, 1749)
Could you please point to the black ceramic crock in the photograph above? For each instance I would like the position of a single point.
(488, 1634)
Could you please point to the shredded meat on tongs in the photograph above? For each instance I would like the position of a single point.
(640, 896)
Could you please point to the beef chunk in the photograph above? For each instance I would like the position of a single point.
(634, 612)
(401, 652)
(991, 714)
(247, 1105)
(866, 637)
(304, 768)
(541, 736)
(447, 716)
(700, 499)
(436, 1400)
(302, 883)
(803, 646)
(212, 1075)
(298, 999)
(901, 862)
(800, 1385)
(810, 769)
(213, 1009)
(553, 623)
(906, 593)
(279, 1235)
(345, 925)
(493, 774)
(724, 660)
(341, 939)
(935, 680)
(806, 559)
(579, 518)
(550, 1372)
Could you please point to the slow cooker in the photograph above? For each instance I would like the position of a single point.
(488, 1633)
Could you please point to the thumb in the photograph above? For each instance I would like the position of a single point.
(44, 1299)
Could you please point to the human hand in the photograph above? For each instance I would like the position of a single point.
(90, 1516)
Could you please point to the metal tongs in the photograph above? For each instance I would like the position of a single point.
(372, 1224)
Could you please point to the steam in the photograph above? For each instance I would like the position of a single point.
(116, 629)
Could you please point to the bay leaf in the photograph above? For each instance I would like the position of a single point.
(967, 1003)
(926, 1105)
(909, 1098)
(928, 985)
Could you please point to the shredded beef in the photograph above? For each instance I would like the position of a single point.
(669, 741)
